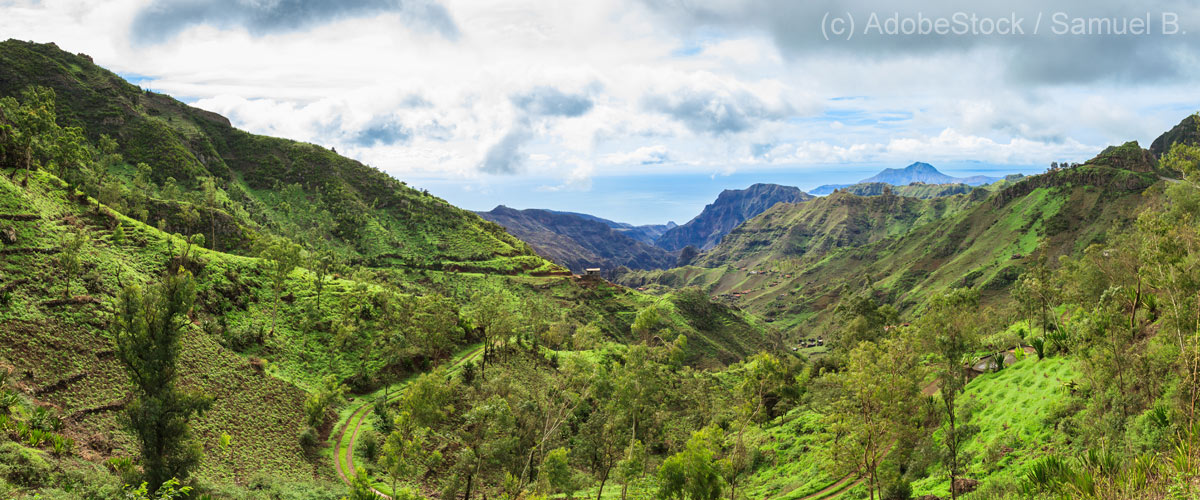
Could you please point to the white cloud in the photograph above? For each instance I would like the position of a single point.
(571, 90)
(947, 145)
(645, 155)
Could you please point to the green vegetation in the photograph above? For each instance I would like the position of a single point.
(190, 311)
(148, 328)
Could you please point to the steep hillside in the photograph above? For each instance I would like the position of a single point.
(1186, 132)
(732, 207)
(577, 242)
(793, 231)
(268, 331)
(263, 184)
(904, 248)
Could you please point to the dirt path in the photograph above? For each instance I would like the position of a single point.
(836, 489)
(343, 452)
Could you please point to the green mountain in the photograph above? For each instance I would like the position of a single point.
(793, 231)
(732, 207)
(578, 243)
(327, 276)
(794, 263)
(267, 185)
(1035, 338)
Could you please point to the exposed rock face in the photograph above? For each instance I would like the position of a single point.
(1187, 132)
(732, 207)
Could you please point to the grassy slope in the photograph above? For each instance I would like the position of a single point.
(49, 344)
(66, 359)
(904, 250)
(1013, 411)
(284, 187)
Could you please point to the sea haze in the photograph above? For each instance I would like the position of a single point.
(658, 198)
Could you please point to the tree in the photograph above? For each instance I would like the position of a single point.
(436, 328)
(148, 326)
(281, 257)
(494, 315)
(69, 260)
(321, 265)
(948, 327)
(360, 486)
(862, 318)
(874, 407)
(331, 394)
(404, 455)
(143, 186)
(487, 441)
(647, 321)
(32, 134)
(692, 474)
(212, 202)
(1171, 245)
(556, 470)
(632, 466)
(763, 373)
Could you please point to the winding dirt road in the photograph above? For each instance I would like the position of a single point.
(347, 435)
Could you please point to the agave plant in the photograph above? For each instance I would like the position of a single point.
(8, 401)
(1039, 345)
(35, 438)
(1047, 474)
(61, 445)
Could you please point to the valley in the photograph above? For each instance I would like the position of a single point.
(190, 310)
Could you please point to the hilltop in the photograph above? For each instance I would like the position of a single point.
(732, 207)
(266, 184)
(918, 172)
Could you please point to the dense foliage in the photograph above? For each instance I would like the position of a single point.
(1034, 340)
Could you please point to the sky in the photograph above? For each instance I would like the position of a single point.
(642, 111)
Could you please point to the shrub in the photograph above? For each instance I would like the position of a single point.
(8, 401)
(35, 438)
(1058, 339)
(309, 438)
(1046, 474)
(24, 466)
(899, 490)
(368, 446)
(124, 468)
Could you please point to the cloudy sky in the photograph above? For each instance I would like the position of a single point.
(643, 110)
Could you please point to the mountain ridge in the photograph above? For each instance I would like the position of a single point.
(731, 208)
(917, 172)
(579, 241)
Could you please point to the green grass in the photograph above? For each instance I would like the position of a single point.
(905, 248)
(797, 459)
(1012, 408)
